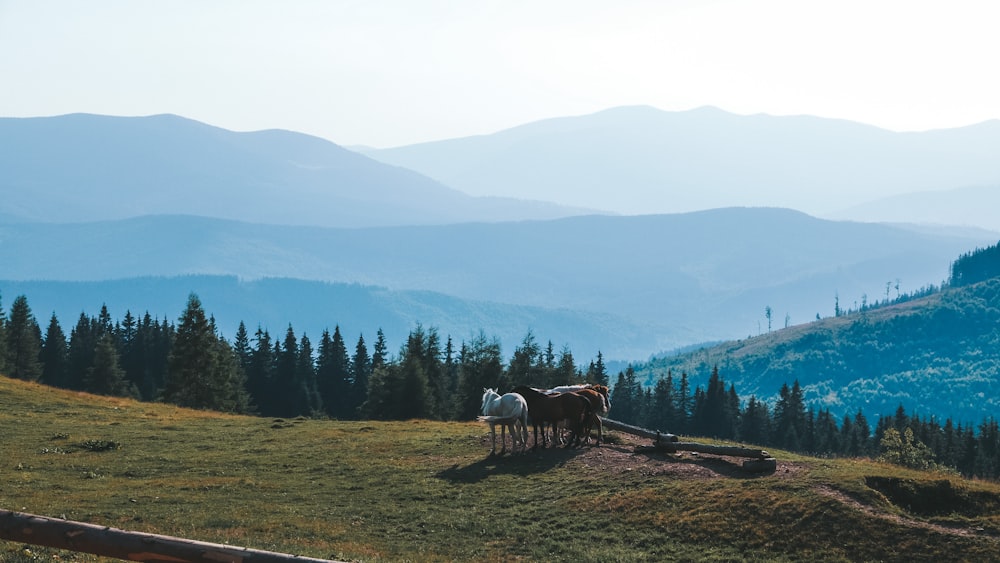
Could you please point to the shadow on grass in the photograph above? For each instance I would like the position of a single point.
(537, 461)
(721, 466)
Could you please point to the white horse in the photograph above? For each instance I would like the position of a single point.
(508, 410)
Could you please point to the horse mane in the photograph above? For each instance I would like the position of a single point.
(524, 389)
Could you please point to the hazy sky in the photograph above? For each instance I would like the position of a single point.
(386, 73)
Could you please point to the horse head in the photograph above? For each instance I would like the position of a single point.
(488, 396)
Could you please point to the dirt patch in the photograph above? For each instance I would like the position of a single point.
(620, 457)
(900, 519)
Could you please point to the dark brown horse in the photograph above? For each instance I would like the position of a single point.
(553, 409)
(598, 406)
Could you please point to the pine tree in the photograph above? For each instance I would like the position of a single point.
(525, 364)
(104, 323)
(414, 397)
(382, 393)
(451, 373)
(333, 375)
(305, 377)
(790, 418)
(153, 343)
(3, 341)
(861, 435)
(713, 416)
(202, 369)
(565, 370)
(546, 370)
(260, 374)
(105, 377)
(664, 409)
(82, 344)
(597, 374)
(55, 355)
(287, 392)
(129, 351)
(361, 372)
(480, 365)
(241, 347)
(380, 351)
(439, 400)
(24, 342)
(756, 423)
(626, 396)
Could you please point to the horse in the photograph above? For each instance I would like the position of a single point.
(599, 402)
(602, 389)
(552, 409)
(507, 410)
(599, 407)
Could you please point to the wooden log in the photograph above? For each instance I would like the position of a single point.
(732, 451)
(766, 465)
(131, 546)
(654, 435)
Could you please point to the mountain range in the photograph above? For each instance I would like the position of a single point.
(648, 283)
(85, 167)
(638, 160)
(101, 199)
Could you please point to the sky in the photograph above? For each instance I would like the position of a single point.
(385, 73)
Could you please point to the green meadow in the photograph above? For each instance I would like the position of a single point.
(426, 491)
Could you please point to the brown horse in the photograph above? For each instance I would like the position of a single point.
(552, 409)
(599, 403)
(598, 406)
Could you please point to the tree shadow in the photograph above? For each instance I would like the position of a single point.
(537, 461)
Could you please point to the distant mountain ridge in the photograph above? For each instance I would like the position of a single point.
(680, 279)
(83, 167)
(644, 160)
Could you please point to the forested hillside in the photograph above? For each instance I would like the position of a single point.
(937, 355)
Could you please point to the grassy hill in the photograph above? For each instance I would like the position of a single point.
(427, 491)
(937, 355)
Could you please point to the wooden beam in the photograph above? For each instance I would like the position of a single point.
(131, 546)
(654, 435)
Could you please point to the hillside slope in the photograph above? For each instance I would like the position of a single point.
(318, 488)
(936, 356)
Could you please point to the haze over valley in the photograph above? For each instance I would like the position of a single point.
(106, 199)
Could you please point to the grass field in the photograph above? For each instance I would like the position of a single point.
(426, 491)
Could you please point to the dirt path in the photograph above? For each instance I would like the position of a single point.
(902, 520)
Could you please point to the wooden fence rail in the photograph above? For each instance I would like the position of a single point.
(131, 546)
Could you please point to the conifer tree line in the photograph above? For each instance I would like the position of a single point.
(189, 363)
(717, 411)
(192, 365)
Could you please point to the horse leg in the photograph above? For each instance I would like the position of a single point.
(493, 435)
(577, 430)
(600, 430)
(524, 434)
(503, 438)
